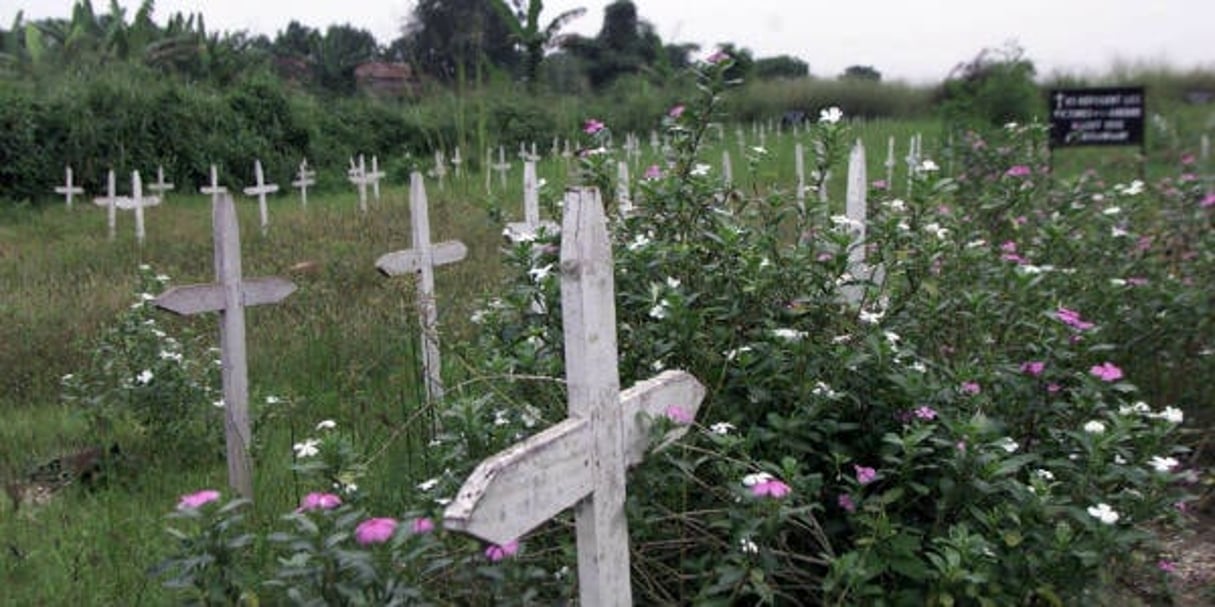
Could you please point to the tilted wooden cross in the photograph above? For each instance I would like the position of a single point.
(229, 295)
(531, 224)
(160, 186)
(110, 202)
(421, 261)
(68, 189)
(260, 190)
(581, 461)
(304, 178)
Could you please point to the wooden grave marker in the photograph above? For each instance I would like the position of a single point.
(624, 201)
(531, 225)
(214, 190)
(440, 169)
(374, 176)
(260, 190)
(358, 176)
(581, 461)
(727, 169)
(502, 167)
(68, 189)
(304, 178)
(856, 209)
(160, 186)
(890, 164)
(421, 261)
(229, 295)
(137, 202)
(912, 160)
(799, 165)
(456, 161)
(110, 202)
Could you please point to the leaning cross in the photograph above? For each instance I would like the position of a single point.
(304, 178)
(229, 295)
(260, 190)
(110, 202)
(68, 189)
(531, 224)
(421, 260)
(160, 186)
(581, 461)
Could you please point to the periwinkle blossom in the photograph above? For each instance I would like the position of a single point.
(676, 111)
(499, 552)
(1033, 368)
(422, 525)
(1094, 427)
(971, 387)
(865, 474)
(592, 126)
(831, 115)
(319, 501)
(1072, 319)
(198, 499)
(845, 502)
(678, 415)
(1106, 371)
(773, 488)
(652, 172)
(1104, 513)
(1163, 464)
(375, 531)
(1018, 170)
(925, 413)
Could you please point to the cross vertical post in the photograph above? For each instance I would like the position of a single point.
(138, 202)
(624, 202)
(110, 202)
(421, 260)
(799, 165)
(229, 295)
(855, 210)
(727, 169)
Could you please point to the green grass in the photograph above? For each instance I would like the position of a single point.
(344, 346)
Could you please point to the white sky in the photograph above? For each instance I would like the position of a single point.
(918, 40)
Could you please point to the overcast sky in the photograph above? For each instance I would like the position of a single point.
(918, 40)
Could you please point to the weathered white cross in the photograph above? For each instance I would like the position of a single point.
(304, 178)
(68, 189)
(110, 202)
(137, 202)
(912, 159)
(456, 161)
(214, 189)
(160, 186)
(229, 295)
(531, 224)
(727, 168)
(358, 176)
(855, 210)
(799, 165)
(440, 169)
(421, 261)
(260, 190)
(502, 167)
(624, 202)
(374, 176)
(581, 461)
(889, 164)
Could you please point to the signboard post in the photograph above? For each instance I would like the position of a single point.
(1098, 116)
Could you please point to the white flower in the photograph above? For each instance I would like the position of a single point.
(936, 230)
(539, 274)
(1103, 513)
(756, 478)
(732, 354)
(871, 318)
(145, 267)
(1139, 407)
(1008, 444)
(673, 282)
(519, 234)
(1171, 415)
(443, 501)
(822, 389)
(845, 221)
(1163, 464)
(347, 488)
(896, 205)
(640, 241)
(1118, 459)
(974, 244)
(308, 448)
(831, 115)
(500, 418)
(660, 310)
(928, 166)
(173, 356)
(273, 400)
(1044, 474)
(477, 317)
(759, 150)
(162, 278)
(722, 428)
(326, 424)
(1112, 211)
(892, 338)
(218, 404)
(144, 377)
(1094, 427)
(1118, 282)
(146, 297)
(658, 365)
(699, 170)
(1116, 232)
(920, 367)
(1011, 126)
(789, 334)
(428, 485)
(747, 546)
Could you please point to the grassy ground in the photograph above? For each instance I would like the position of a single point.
(343, 346)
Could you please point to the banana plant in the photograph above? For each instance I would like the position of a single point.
(524, 23)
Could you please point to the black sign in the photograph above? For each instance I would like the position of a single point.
(1102, 116)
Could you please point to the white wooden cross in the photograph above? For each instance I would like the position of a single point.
(624, 202)
(137, 202)
(260, 190)
(110, 202)
(358, 176)
(913, 160)
(799, 162)
(581, 461)
(440, 169)
(421, 261)
(856, 209)
(654, 142)
(304, 178)
(68, 189)
(890, 164)
(456, 161)
(374, 176)
(229, 295)
(160, 186)
(531, 224)
(214, 189)
(502, 167)
(1204, 148)
(727, 168)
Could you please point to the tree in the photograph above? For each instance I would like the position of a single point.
(994, 88)
(625, 45)
(447, 38)
(781, 66)
(861, 72)
(342, 49)
(526, 30)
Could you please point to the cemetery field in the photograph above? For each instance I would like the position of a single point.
(345, 347)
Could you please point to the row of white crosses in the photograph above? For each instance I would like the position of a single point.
(579, 463)
(135, 202)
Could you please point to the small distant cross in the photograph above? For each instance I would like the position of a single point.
(304, 179)
(159, 187)
(68, 189)
(110, 202)
(260, 190)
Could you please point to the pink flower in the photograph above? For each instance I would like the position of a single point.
(1014, 258)
(1053, 388)
(678, 414)
(422, 525)
(592, 126)
(1017, 170)
(878, 184)
(1009, 247)
(926, 413)
(1033, 367)
(652, 172)
(971, 387)
(961, 446)
(773, 488)
(865, 474)
(319, 501)
(1187, 177)
(1208, 201)
(1106, 371)
(190, 501)
(1072, 319)
(375, 530)
(717, 57)
(845, 502)
(1136, 281)
(677, 111)
(497, 552)
(1187, 159)
(1166, 566)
